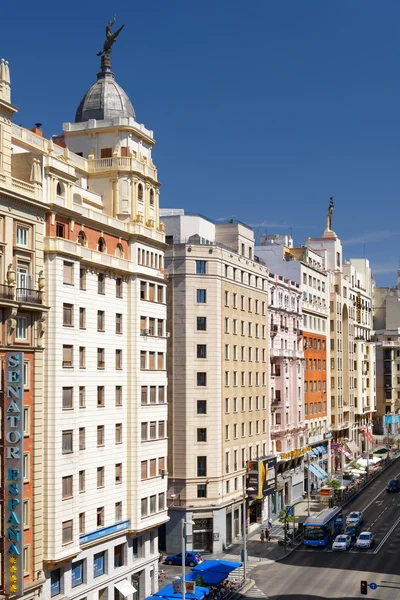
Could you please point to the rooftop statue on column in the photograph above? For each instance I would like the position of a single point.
(328, 230)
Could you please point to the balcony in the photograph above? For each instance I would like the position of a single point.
(274, 329)
(275, 401)
(22, 295)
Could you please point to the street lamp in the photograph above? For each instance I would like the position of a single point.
(244, 510)
(183, 539)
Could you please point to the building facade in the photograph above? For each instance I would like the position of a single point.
(218, 377)
(23, 313)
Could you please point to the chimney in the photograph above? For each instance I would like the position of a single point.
(37, 129)
(59, 140)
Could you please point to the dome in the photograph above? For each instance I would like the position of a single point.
(104, 100)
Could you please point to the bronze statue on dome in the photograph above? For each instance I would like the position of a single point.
(329, 215)
(111, 38)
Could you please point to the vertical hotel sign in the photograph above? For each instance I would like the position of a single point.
(13, 475)
(358, 307)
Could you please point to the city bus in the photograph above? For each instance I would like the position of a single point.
(321, 528)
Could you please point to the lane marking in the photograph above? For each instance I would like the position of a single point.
(386, 536)
(379, 494)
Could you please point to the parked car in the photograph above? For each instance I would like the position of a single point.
(365, 539)
(355, 517)
(191, 559)
(393, 486)
(342, 542)
(352, 530)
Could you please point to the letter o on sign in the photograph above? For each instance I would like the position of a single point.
(12, 437)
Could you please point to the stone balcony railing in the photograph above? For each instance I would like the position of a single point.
(122, 163)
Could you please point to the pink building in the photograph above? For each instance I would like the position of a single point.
(288, 426)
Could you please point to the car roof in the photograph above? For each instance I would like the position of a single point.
(366, 533)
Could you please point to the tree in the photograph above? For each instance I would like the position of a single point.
(285, 518)
(333, 483)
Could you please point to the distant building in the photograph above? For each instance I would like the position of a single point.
(218, 378)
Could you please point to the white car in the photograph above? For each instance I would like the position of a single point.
(342, 542)
(355, 518)
(365, 540)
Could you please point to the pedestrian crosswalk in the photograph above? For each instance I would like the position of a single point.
(254, 592)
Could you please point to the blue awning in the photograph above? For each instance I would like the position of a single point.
(312, 452)
(314, 471)
(321, 470)
(168, 592)
(322, 449)
(214, 572)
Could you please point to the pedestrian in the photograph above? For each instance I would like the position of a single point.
(270, 523)
(268, 535)
(262, 535)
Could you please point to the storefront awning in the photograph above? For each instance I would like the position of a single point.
(314, 471)
(323, 449)
(320, 470)
(125, 588)
(352, 446)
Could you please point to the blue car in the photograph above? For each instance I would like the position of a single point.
(393, 486)
(191, 559)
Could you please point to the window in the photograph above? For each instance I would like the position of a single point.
(161, 429)
(81, 523)
(67, 443)
(202, 466)
(22, 236)
(81, 240)
(202, 434)
(144, 474)
(67, 360)
(118, 433)
(67, 487)
(82, 357)
(26, 374)
(201, 351)
(100, 477)
(152, 430)
(201, 407)
(68, 315)
(153, 467)
(201, 379)
(82, 318)
(143, 507)
(118, 359)
(82, 279)
(101, 245)
(118, 287)
(118, 395)
(68, 273)
(67, 530)
(77, 573)
(99, 563)
(82, 438)
(144, 432)
(153, 504)
(60, 230)
(67, 399)
(161, 394)
(21, 332)
(27, 519)
(202, 490)
(100, 516)
(118, 323)
(142, 359)
(100, 320)
(201, 296)
(101, 358)
(161, 501)
(160, 327)
(100, 435)
(118, 473)
(201, 323)
(201, 267)
(81, 481)
(100, 395)
(118, 511)
(55, 582)
(160, 294)
(101, 283)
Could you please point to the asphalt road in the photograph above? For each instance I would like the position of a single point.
(320, 573)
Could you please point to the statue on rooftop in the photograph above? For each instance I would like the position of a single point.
(110, 37)
(329, 215)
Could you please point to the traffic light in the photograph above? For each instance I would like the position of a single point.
(364, 588)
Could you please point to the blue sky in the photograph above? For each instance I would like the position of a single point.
(261, 109)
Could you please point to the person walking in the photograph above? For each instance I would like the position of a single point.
(262, 535)
(270, 523)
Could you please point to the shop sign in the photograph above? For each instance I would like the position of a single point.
(295, 453)
(267, 472)
(358, 307)
(313, 439)
(327, 436)
(252, 478)
(14, 455)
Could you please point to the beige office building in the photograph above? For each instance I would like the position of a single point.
(218, 377)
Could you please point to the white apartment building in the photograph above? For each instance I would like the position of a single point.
(104, 434)
(304, 265)
(361, 292)
(218, 379)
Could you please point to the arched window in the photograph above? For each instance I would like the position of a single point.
(119, 251)
(151, 197)
(140, 192)
(278, 446)
(101, 245)
(81, 238)
(60, 189)
(77, 199)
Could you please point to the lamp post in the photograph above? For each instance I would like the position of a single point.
(183, 540)
(244, 510)
(308, 485)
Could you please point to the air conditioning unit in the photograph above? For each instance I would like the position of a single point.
(145, 332)
(164, 473)
(168, 334)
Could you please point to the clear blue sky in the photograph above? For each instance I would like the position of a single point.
(261, 109)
